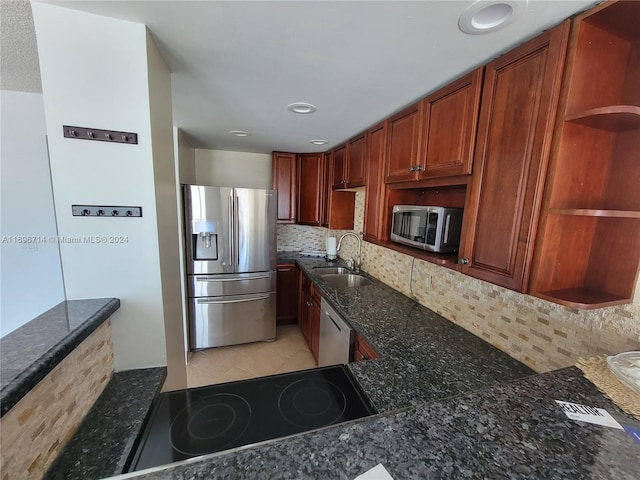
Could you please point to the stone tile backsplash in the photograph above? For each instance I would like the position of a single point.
(543, 335)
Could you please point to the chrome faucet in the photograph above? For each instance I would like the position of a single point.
(358, 259)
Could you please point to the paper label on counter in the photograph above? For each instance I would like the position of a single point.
(376, 473)
(583, 413)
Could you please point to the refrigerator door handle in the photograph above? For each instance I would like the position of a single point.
(236, 230)
(213, 279)
(232, 227)
(213, 301)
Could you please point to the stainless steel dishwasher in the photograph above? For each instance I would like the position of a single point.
(336, 337)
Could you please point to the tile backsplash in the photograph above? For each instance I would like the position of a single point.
(543, 335)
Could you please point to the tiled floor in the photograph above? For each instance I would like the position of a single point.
(288, 353)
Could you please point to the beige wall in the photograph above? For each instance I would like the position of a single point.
(541, 334)
(164, 175)
(185, 157)
(220, 168)
(36, 429)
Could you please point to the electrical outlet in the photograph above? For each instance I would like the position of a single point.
(427, 282)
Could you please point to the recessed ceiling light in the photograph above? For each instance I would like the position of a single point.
(484, 16)
(301, 107)
(318, 141)
(239, 133)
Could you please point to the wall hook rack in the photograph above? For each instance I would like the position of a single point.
(84, 133)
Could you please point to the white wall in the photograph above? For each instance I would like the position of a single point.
(95, 73)
(31, 277)
(220, 168)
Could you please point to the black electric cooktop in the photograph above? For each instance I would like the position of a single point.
(197, 421)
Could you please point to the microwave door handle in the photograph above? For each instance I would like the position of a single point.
(446, 229)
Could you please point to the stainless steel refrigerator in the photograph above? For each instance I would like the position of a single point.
(231, 264)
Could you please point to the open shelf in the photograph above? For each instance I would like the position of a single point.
(589, 261)
(616, 118)
(587, 212)
(449, 260)
(588, 250)
(583, 298)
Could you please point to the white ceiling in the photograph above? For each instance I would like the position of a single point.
(19, 66)
(236, 65)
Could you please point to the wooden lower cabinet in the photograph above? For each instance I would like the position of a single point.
(314, 323)
(309, 313)
(287, 296)
(362, 350)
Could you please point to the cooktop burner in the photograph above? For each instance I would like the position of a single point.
(197, 421)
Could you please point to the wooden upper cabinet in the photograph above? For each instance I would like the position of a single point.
(310, 188)
(450, 123)
(588, 248)
(375, 186)
(355, 163)
(517, 115)
(326, 188)
(284, 166)
(338, 207)
(339, 161)
(403, 144)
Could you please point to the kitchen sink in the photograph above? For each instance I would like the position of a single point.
(322, 271)
(346, 280)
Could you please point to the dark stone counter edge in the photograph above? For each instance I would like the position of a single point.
(15, 390)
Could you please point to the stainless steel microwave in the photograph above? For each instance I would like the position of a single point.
(436, 229)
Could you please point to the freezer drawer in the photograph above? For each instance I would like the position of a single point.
(231, 284)
(218, 321)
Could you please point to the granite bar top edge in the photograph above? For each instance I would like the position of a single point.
(104, 441)
(17, 387)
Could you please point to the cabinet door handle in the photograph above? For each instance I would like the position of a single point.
(463, 261)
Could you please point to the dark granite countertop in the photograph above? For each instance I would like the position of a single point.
(514, 430)
(29, 353)
(453, 406)
(423, 356)
(102, 444)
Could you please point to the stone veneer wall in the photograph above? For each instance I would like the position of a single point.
(541, 334)
(34, 431)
